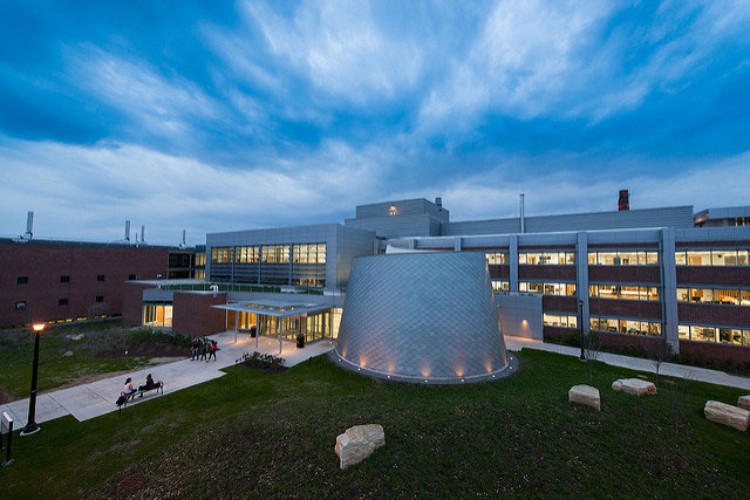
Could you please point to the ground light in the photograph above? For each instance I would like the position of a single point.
(31, 426)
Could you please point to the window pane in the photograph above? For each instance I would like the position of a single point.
(592, 258)
(654, 329)
(608, 259)
(742, 258)
(723, 257)
(704, 334)
(641, 258)
(745, 297)
(727, 297)
(522, 258)
(652, 258)
(695, 258)
(684, 331)
(628, 258)
(680, 259)
(683, 295)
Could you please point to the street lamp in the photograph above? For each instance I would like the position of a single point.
(580, 328)
(31, 427)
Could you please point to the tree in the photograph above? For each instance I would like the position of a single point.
(677, 401)
(591, 343)
(658, 352)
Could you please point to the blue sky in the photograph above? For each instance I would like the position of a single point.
(256, 114)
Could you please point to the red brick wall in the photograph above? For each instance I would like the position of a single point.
(626, 274)
(559, 303)
(499, 271)
(711, 351)
(708, 275)
(193, 315)
(550, 273)
(43, 264)
(650, 309)
(717, 315)
(132, 303)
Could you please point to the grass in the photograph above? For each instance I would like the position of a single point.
(250, 434)
(93, 354)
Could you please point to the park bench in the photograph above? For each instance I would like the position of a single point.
(124, 399)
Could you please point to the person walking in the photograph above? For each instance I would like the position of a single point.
(194, 350)
(214, 347)
(204, 348)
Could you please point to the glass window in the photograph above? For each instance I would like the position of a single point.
(652, 258)
(703, 333)
(724, 258)
(684, 331)
(628, 258)
(496, 259)
(246, 255)
(592, 258)
(680, 259)
(742, 258)
(728, 297)
(275, 254)
(745, 297)
(222, 255)
(683, 295)
(309, 253)
(547, 258)
(500, 285)
(698, 258)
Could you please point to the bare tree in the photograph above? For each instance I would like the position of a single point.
(678, 401)
(591, 343)
(658, 353)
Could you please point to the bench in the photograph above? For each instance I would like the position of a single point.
(125, 398)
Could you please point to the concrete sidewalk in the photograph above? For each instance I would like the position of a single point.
(638, 364)
(98, 398)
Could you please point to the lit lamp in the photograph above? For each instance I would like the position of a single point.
(31, 427)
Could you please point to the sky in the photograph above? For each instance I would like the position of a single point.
(219, 116)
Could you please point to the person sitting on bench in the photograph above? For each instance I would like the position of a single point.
(150, 384)
(128, 390)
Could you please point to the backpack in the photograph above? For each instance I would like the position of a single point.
(121, 400)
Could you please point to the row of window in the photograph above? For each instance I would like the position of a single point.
(547, 258)
(714, 296)
(21, 304)
(24, 280)
(630, 326)
(200, 259)
(630, 258)
(711, 257)
(734, 336)
(501, 285)
(303, 253)
(568, 289)
(560, 320)
(624, 292)
(496, 259)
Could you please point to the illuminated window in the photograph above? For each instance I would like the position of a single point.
(501, 285)
(246, 255)
(309, 253)
(568, 289)
(221, 255)
(496, 258)
(628, 326)
(200, 258)
(547, 258)
(392, 210)
(629, 258)
(719, 258)
(722, 296)
(560, 320)
(624, 292)
(275, 254)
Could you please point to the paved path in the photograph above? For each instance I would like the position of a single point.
(638, 364)
(98, 398)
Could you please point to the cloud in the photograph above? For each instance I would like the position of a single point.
(340, 47)
(87, 192)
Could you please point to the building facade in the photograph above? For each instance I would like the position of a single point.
(61, 282)
(637, 277)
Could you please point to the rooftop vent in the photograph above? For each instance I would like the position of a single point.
(624, 202)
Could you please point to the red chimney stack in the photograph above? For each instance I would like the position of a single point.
(624, 202)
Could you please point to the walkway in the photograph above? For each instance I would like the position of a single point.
(638, 364)
(98, 398)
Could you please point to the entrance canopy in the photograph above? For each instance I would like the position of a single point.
(274, 308)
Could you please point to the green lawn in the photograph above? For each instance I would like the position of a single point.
(17, 354)
(250, 434)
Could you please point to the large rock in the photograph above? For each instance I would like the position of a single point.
(744, 402)
(585, 395)
(358, 442)
(729, 415)
(634, 386)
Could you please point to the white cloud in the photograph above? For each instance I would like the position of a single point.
(340, 47)
(87, 192)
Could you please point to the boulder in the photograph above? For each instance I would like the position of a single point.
(67, 354)
(744, 402)
(729, 415)
(634, 386)
(358, 442)
(585, 395)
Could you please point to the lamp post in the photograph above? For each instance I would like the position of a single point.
(31, 427)
(580, 328)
